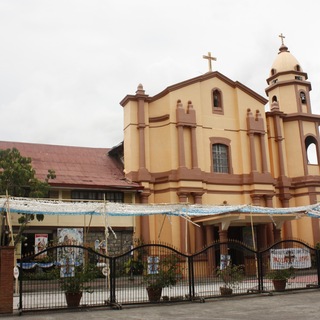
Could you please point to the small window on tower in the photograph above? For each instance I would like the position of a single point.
(274, 99)
(311, 150)
(303, 98)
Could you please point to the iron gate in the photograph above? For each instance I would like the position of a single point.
(119, 280)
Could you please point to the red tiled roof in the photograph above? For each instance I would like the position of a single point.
(74, 166)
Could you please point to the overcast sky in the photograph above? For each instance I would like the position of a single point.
(66, 64)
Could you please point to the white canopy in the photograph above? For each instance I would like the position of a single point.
(55, 207)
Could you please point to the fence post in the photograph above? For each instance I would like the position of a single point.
(6, 279)
(318, 264)
(260, 271)
(112, 281)
(191, 278)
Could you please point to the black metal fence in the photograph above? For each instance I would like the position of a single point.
(114, 281)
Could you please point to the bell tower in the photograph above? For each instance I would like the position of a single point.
(287, 84)
(293, 135)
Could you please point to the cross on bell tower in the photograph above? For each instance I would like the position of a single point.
(282, 37)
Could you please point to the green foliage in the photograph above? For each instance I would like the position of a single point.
(51, 274)
(280, 274)
(17, 176)
(168, 273)
(79, 282)
(18, 179)
(133, 267)
(231, 275)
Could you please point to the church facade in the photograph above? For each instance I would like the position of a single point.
(211, 140)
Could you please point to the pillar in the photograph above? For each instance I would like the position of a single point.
(277, 234)
(223, 237)
(144, 220)
(211, 257)
(184, 239)
(6, 279)
(199, 231)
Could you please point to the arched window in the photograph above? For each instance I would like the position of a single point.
(274, 99)
(220, 158)
(303, 97)
(273, 71)
(216, 99)
(217, 106)
(298, 68)
(311, 149)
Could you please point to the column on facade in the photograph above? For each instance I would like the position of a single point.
(192, 124)
(263, 153)
(199, 231)
(194, 148)
(287, 228)
(144, 220)
(141, 127)
(181, 151)
(223, 237)
(184, 239)
(256, 199)
(277, 234)
(262, 236)
(211, 257)
(269, 226)
(252, 152)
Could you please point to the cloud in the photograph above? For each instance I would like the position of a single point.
(66, 64)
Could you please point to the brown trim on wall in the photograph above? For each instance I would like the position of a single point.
(159, 118)
(207, 177)
(204, 77)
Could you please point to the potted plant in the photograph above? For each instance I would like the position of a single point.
(280, 277)
(231, 275)
(166, 273)
(75, 283)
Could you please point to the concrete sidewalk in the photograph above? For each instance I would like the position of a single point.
(295, 305)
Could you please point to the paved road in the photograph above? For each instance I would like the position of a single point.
(301, 305)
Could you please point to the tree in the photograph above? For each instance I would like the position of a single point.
(18, 179)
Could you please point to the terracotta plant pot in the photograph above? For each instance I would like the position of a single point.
(225, 291)
(154, 294)
(279, 285)
(73, 299)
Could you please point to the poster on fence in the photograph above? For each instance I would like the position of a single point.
(153, 264)
(40, 243)
(225, 261)
(69, 257)
(298, 258)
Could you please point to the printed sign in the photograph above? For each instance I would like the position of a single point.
(69, 257)
(225, 260)
(298, 258)
(153, 264)
(40, 244)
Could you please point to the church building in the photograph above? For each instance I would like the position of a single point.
(207, 141)
(213, 141)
